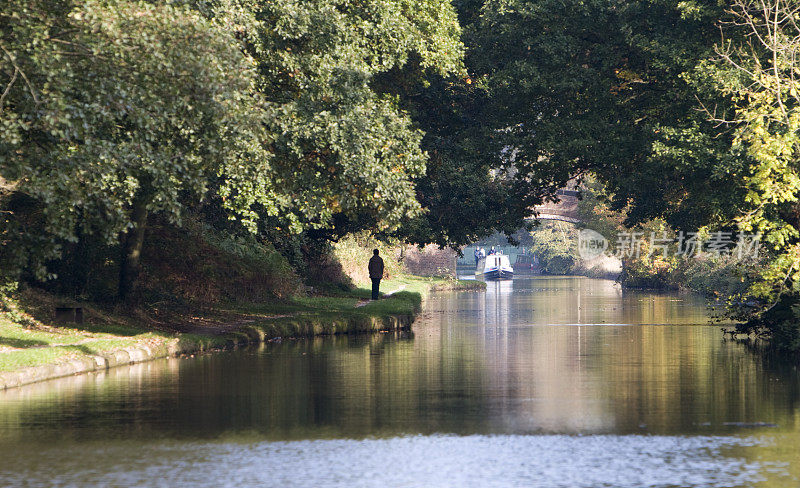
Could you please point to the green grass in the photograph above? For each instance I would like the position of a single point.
(345, 301)
(13, 335)
(17, 336)
(24, 358)
(406, 295)
(11, 361)
(402, 302)
(423, 285)
(34, 347)
(340, 311)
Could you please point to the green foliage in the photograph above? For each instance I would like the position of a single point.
(561, 89)
(248, 249)
(306, 121)
(756, 67)
(748, 88)
(469, 190)
(214, 266)
(344, 150)
(113, 111)
(554, 244)
(354, 252)
(107, 101)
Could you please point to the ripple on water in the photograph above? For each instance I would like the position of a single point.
(429, 461)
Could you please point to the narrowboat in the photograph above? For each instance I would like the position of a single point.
(495, 267)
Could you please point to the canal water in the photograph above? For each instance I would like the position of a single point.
(541, 382)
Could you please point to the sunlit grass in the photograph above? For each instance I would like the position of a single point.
(22, 347)
(14, 335)
(24, 358)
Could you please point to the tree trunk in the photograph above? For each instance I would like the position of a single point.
(82, 263)
(132, 241)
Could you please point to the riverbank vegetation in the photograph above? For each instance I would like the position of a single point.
(294, 125)
(654, 256)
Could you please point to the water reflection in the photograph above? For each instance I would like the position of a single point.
(536, 357)
(574, 300)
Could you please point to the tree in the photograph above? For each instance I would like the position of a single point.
(492, 135)
(344, 149)
(470, 189)
(757, 66)
(113, 111)
(558, 90)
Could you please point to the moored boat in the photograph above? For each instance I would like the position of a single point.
(495, 267)
(526, 264)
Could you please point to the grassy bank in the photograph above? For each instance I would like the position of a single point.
(33, 348)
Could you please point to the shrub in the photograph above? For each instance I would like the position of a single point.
(204, 264)
(354, 252)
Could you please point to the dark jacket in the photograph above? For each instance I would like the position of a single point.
(376, 268)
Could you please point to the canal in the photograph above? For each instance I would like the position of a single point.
(551, 382)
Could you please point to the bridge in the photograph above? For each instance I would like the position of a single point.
(566, 210)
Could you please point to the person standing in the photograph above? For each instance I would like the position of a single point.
(375, 273)
(477, 256)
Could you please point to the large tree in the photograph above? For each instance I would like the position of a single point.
(112, 111)
(345, 150)
(559, 89)
(757, 66)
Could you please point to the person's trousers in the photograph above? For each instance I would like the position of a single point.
(376, 285)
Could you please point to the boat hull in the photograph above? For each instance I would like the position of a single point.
(498, 274)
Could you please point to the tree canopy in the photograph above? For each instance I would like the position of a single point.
(110, 103)
(116, 110)
(431, 121)
(343, 149)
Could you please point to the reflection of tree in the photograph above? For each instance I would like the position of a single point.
(594, 378)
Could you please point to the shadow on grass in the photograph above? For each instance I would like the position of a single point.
(108, 328)
(21, 343)
(82, 349)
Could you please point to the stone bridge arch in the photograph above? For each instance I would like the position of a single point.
(565, 210)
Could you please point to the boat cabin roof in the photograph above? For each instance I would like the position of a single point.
(497, 260)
